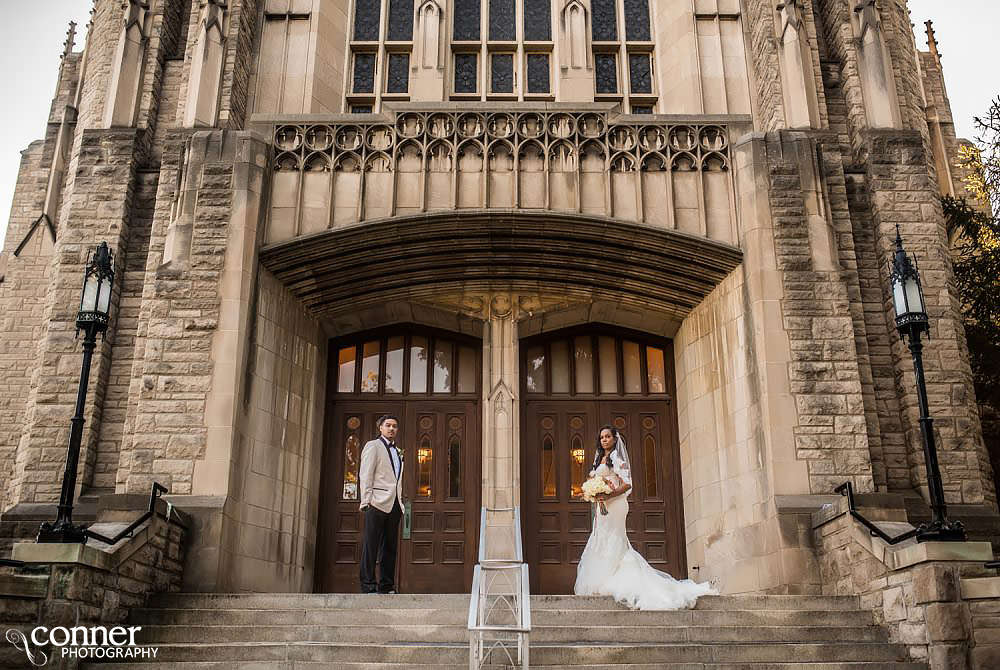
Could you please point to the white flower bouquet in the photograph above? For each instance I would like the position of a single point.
(594, 487)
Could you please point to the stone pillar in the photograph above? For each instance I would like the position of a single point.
(202, 105)
(875, 67)
(127, 66)
(798, 80)
(904, 193)
(501, 434)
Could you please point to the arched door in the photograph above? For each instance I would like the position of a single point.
(573, 383)
(430, 381)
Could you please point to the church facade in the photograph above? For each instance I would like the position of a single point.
(507, 222)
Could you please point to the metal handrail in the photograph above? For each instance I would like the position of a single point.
(157, 490)
(847, 489)
(486, 599)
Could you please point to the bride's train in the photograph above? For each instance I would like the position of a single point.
(610, 566)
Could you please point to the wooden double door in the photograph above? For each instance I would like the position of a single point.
(441, 484)
(558, 449)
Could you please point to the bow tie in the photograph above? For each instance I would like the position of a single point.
(392, 445)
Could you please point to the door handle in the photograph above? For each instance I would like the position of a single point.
(407, 509)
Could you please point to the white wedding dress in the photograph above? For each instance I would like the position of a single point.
(610, 566)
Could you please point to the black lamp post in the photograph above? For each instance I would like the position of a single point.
(95, 305)
(911, 321)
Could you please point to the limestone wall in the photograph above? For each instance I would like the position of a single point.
(274, 490)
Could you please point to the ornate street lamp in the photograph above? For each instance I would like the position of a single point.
(95, 306)
(911, 322)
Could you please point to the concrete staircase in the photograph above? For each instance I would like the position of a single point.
(373, 632)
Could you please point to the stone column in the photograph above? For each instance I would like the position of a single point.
(501, 435)
(127, 67)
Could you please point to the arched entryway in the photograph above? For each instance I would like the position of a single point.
(431, 380)
(572, 382)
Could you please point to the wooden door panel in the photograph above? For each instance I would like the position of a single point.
(440, 554)
(557, 522)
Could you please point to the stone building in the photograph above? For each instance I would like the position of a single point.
(509, 222)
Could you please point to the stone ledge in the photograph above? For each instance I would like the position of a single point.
(24, 586)
(980, 587)
(32, 552)
(921, 552)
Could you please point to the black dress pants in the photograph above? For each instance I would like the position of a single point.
(380, 540)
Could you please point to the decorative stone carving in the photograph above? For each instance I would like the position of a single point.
(428, 47)
(798, 82)
(554, 160)
(875, 67)
(574, 42)
(202, 105)
(126, 70)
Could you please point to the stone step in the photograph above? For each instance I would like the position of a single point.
(343, 665)
(459, 616)
(401, 633)
(541, 653)
(441, 601)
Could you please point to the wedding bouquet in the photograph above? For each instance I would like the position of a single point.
(594, 487)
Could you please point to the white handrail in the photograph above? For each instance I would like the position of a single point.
(500, 590)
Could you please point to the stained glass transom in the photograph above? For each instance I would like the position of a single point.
(538, 73)
(502, 73)
(466, 20)
(640, 77)
(364, 73)
(637, 20)
(367, 14)
(604, 18)
(537, 20)
(401, 20)
(502, 20)
(398, 80)
(465, 72)
(606, 73)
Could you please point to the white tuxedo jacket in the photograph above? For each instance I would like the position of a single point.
(379, 485)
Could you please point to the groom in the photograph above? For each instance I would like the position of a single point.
(382, 505)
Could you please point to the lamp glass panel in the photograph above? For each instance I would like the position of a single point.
(104, 297)
(898, 298)
(88, 303)
(914, 296)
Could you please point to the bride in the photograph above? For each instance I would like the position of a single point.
(609, 565)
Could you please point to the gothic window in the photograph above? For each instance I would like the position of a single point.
(637, 20)
(623, 58)
(367, 15)
(502, 72)
(466, 20)
(400, 20)
(398, 78)
(502, 21)
(606, 72)
(537, 21)
(466, 72)
(538, 73)
(364, 73)
(604, 19)
(640, 76)
(377, 71)
(501, 49)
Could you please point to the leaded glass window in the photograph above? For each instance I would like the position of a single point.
(640, 76)
(466, 72)
(466, 20)
(502, 20)
(642, 109)
(502, 73)
(367, 14)
(637, 20)
(364, 73)
(606, 72)
(604, 19)
(398, 79)
(537, 20)
(538, 73)
(361, 109)
(400, 20)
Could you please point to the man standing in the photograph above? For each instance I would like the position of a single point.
(382, 505)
